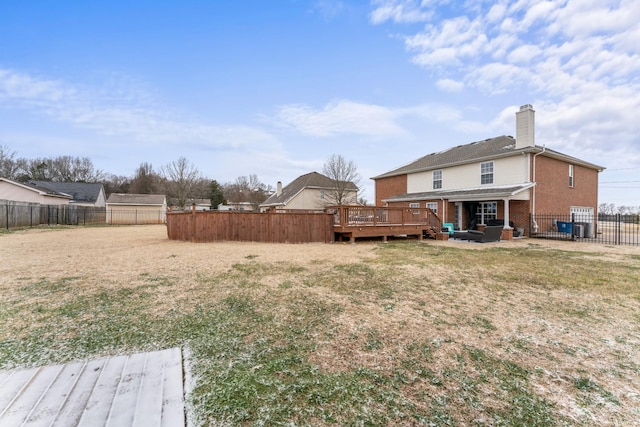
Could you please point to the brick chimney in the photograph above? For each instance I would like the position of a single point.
(525, 127)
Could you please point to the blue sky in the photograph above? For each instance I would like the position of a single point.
(274, 88)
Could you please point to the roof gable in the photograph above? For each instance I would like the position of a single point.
(487, 149)
(310, 180)
(39, 190)
(474, 151)
(79, 191)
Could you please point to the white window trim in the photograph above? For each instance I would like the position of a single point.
(434, 180)
(571, 176)
(482, 213)
(484, 173)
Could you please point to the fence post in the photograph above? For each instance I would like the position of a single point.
(7, 211)
(618, 229)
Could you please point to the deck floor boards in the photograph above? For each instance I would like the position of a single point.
(144, 389)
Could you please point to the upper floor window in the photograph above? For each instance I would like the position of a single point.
(437, 179)
(570, 175)
(322, 194)
(486, 173)
(433, 206)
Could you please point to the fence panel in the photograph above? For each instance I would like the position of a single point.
(604, 229)
(21, 214)
(271, 227)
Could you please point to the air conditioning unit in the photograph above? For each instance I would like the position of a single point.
(578, 230)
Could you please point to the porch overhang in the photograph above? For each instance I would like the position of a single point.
(504, 192)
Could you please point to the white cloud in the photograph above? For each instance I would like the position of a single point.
(17, 88)
(340, 117)
(449, 85)
(399, 11)
(104, 111)
(524, 54)
(496, 13)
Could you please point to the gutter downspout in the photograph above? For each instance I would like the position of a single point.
(533, 203)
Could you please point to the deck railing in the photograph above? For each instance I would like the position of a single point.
(346, 216)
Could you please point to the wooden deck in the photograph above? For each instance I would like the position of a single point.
(352, 222)
(143, 389)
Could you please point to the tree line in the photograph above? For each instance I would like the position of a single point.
(180, 179)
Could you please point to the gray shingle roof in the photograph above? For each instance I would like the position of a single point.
(310, 180)
(80, 192)
(487, 149)
(136, 199)
(457, 155)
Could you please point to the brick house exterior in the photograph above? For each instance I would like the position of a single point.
(502, 178)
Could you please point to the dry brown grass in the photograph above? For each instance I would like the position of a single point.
(441, 314)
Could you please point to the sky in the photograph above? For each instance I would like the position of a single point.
(273, 88)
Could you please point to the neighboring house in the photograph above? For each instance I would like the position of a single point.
(82, 194)
(238, 206)
(136, 208)
(311, 191)
(499, 178)
(22, 192)
(201, 204)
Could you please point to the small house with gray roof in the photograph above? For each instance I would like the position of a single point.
(82, 193)
(311, 191)
(506, 180)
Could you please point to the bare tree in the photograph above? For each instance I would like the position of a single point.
(117, 184)
(345, 179)
(183, 181)
(146, 180)
(247, 190)
(606, 208)
(9, 166)
(61, 169)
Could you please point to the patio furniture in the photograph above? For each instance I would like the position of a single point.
(447, 227)
(490, 234)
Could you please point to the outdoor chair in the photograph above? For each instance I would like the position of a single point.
(490, 234)
(447, 227)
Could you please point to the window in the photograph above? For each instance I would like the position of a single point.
(486, 173)
(570, 175)
(437, 179)
(433, 206)
(486, 211)
(414, 205)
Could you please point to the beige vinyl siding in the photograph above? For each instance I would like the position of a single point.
(506, 171)
(135, 214)
(17, 193)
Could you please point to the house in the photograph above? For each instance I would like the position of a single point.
(26, 193)
(312, 191)
(500, 179)
(200, 204)
(236, 206)
(136, 208)
(82, 193)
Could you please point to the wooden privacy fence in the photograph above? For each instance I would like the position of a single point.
(214, 226)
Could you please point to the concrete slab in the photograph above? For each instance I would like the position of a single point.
(142, 390)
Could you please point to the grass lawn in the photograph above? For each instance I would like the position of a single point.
(404, 333)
